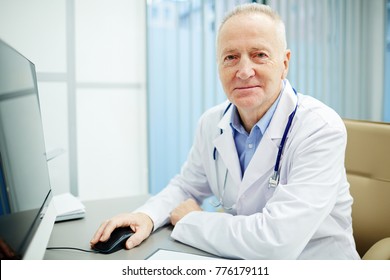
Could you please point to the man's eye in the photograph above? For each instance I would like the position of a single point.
(230, 60)
(261, 55)
(229, 57)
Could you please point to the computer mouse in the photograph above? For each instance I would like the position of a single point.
(115, 242)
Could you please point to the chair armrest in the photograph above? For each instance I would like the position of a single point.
(379, 251)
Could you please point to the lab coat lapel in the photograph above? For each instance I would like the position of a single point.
(261, 163)
(226, 148)
(265, 156)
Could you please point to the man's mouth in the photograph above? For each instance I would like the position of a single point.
(246, 87)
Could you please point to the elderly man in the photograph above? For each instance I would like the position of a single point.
(273, 158)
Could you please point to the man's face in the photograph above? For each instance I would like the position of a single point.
(252, 62)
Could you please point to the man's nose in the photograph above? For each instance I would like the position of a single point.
(245, 69)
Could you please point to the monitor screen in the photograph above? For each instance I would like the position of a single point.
(24, 179)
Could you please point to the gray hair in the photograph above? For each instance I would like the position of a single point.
(255, 8)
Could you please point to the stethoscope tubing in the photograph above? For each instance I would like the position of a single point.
(284, 138)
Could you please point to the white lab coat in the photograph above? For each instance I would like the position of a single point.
(308, 216)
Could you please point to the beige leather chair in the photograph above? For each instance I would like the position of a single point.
(368, 169)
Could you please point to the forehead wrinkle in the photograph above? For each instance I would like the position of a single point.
(257, 45)
(251, 49)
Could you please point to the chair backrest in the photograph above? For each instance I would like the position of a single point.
(368, 169)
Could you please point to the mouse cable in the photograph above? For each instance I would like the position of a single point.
(71, 248)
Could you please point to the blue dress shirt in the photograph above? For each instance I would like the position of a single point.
(246, 144)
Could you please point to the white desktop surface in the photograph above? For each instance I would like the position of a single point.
(78, 233)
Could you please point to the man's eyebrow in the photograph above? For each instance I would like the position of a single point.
(261, 47)
(229, 50)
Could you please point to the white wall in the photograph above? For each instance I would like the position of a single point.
(90, 58)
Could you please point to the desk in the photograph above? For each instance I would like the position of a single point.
(78, 233)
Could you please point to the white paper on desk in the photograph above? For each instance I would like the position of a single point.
(68, 207)
(162, 254)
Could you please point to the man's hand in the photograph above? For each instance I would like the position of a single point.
(140, 223)
(183, 209)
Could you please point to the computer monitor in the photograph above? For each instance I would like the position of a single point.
(27, 213)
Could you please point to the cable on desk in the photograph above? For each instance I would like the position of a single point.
(70, 248)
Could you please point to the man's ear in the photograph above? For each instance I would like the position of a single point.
(286, 62)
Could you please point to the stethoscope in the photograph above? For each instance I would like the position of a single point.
(274, 179)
